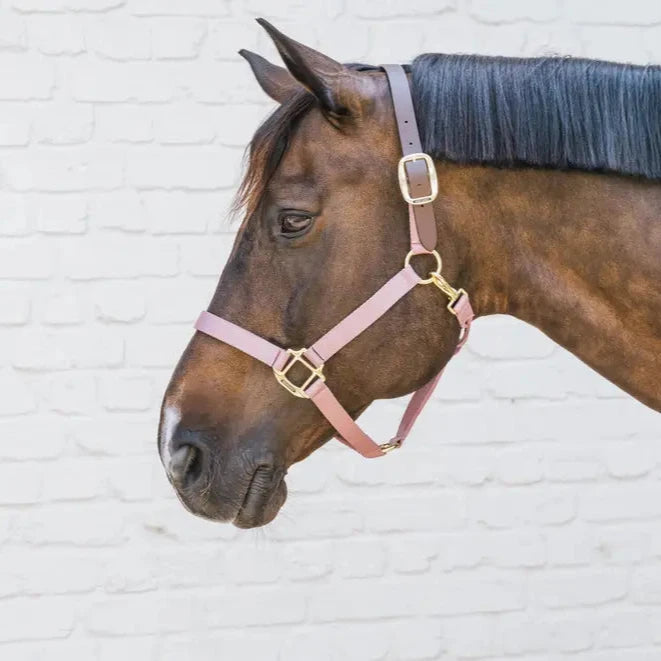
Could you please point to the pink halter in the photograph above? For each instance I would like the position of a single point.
(415, 169)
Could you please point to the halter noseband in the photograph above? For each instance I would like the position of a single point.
(418, 183)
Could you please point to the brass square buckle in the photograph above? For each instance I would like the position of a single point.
(297, 356)
(404, 181)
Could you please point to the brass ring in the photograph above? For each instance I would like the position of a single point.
(439, 265)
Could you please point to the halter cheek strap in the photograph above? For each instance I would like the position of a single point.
(417, 178)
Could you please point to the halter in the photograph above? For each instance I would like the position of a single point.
(419, 186)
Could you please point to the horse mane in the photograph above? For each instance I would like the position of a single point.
(552, 112)
(549, 112)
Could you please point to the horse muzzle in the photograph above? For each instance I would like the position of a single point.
(243, 486)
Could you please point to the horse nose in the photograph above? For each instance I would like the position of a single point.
(185, 466)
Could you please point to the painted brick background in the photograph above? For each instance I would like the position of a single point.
(534, 533)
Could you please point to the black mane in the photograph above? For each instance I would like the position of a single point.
(548, 112)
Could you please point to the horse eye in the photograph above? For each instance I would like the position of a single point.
(294, 224)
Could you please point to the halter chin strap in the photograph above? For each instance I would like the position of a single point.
(417, 177)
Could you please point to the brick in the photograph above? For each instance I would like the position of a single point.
(632, 459)
(236, 124)
(439, 510)
(637, 12)
(70, 649)
(471, 637)
(143, 351)
(71, 393)
(621, 501)
(70, 169)
(567, 589)
(15, 125)
(84, 524)
(393, 9)
(120, 210)
(235, 608)
(612, 43)
(176, 39)
(68, 348)
(16, 218)
(181, 213)
(119, 302)
(56, 617)
(248, 565)
(64, 124)
(36, 81)
(646, 586)
(181, 168)
(360, 558)
(66, 5)
(140, 614)
(124, 123)
(307, 561)
(202, 257)
(626, 629)
(61, 214)
(20, 483)
(121, 81)
(203, 83)
(14, 307)
(180, 7)
(17, 397)
(57, 34)
(75, 479)
(138, 478)
(178, 302)
(38, 436)
(230, 645)
(516, 340)
(518, 506)
(51, 571)
(126, 393)
(185, 124)
(114, 435)
(520, 467)
(119, 39)
(13, 35)
(513, 10)
(97, 257)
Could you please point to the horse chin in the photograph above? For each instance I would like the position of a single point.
(260, 504)
(264, 494)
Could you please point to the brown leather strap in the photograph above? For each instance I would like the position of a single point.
(418, 176)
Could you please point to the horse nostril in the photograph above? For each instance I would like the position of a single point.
(184, 465)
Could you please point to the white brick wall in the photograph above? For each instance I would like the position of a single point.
(533, 534)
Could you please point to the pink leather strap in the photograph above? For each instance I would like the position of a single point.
(409, 137)
(363, 316)
(241, 339)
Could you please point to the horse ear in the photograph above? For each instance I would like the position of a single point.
(331, 82)
(276, 81)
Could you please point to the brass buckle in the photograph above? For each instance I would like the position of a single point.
(297, 356)
(404, 181)
(389, 446)
(453, 294)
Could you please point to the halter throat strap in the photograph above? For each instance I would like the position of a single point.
(417, 178)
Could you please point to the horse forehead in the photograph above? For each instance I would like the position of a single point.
(317, 146)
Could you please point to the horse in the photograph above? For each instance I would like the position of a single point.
(548, 209)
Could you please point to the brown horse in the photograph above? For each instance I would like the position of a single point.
(549, 210)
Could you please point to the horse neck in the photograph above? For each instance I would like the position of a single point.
(577, 255)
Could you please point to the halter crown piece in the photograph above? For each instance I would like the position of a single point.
(419, 186)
